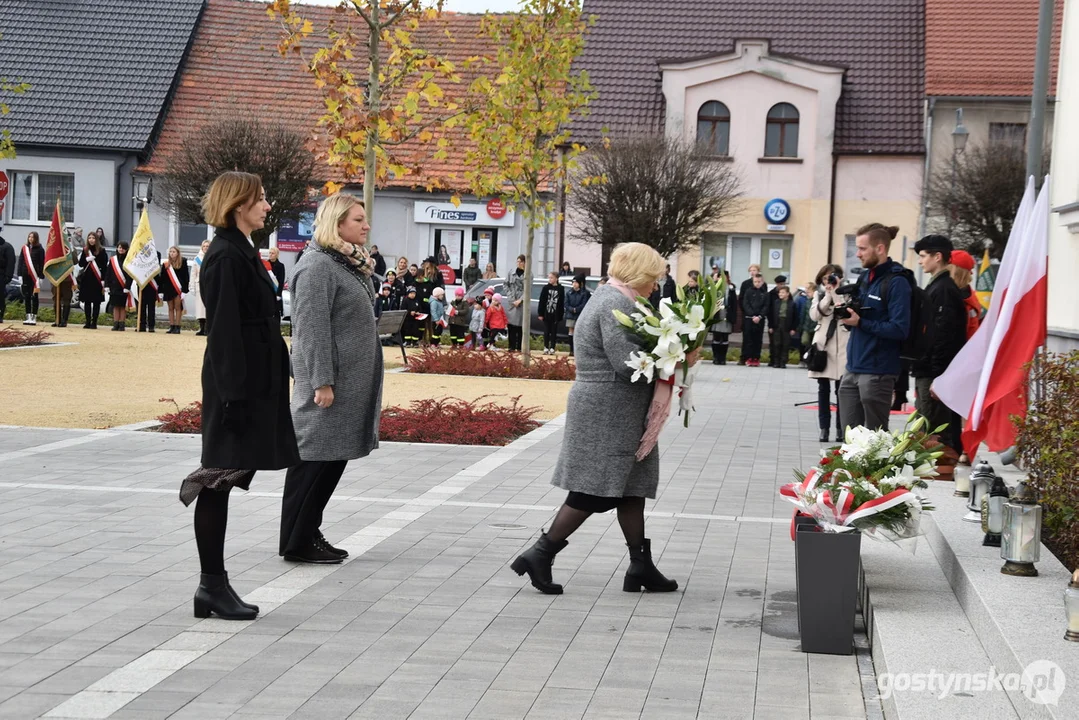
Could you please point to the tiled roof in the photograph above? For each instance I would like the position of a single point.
(100, 71)
(880, 42)
(234, 63)
(985, 47)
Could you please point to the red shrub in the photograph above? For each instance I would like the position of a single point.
(186, 420)
(458, 422)
(491, 363)
(13, 337)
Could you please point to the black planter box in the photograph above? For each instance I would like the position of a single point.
(826, 573)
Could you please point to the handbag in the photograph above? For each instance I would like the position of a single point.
(816, 359)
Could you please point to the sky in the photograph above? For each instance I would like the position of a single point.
(475, 6)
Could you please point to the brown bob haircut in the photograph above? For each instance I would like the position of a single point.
(879, 234)
(229, 191)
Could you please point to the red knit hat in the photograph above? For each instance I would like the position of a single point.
(963, 259)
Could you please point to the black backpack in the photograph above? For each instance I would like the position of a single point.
(916, 345)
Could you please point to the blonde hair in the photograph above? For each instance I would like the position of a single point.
(961, 276)
(330, 214)
(229, 191)
(636, 264)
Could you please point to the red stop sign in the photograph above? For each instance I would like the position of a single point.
(3, 185)
(496, 208)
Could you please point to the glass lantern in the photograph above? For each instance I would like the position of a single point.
(1022, 534)
(993, 512)
(981, 478)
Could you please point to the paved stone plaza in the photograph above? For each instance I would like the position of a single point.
(425, 620)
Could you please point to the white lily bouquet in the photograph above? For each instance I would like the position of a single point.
(671, 332)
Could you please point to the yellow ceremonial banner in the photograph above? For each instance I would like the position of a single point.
(142, 262)
(985, 281)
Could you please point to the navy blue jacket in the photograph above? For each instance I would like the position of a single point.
(875, 343)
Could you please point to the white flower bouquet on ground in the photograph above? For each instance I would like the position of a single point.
(671, 332)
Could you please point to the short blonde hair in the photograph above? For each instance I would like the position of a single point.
(636, 264)
(961, 276)
(229, 191)
(329, 216)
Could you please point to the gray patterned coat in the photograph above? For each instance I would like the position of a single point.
(514, 290)
(334, 342)
(606, 413)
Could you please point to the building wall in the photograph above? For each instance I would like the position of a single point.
(1063, 316)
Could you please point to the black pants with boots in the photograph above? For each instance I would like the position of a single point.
(149, 314)
(721, 342)
(308, 488)
(515, 332)
(752, 339)
(824, 406)
(30, 298)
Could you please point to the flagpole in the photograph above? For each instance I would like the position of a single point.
(138, 311)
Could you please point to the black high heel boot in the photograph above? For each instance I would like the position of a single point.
(537, 561)
(824, 434)
(643, 572)
(216, 596)
(237, 596)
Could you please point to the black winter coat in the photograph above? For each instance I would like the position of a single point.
(755, 301)
(183, 274)
(560, 303)
(245, 370)
(116, 288)
(575, 302)
(946, 328)
(37, 256)
(7, 263)
(92, 290)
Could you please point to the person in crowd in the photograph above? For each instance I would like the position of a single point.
(515, 308)
(94, 261)
(31, 269)
(7, 271)
(876, 333)
(121, 287)
(412, 328)
(337, 361)
(566, 270)
(945, 335)
(384, 301)
(102, 240)
(962, 270)
(495, 319)
(552, 307)
(460, 313)
(755, 310)
(401, 269)
(174, 278)
(431, 277)
(472, 273)
(476, 324)
(609, 458)
(781, 281)
(807, 325)
(196, 287)
(693, 286)
(380, 262)
(782, 327)
(437, 314)
(489, 273)
(667, 284)
(277, 270)
(724, 326)
(412, 276)
(754, 270)
(576, 299)
(831, 337)
(801, 310)
(148, 298)
(246, 422)
(397, 288)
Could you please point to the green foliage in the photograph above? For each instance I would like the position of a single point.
(9, 87)
(1048, 445)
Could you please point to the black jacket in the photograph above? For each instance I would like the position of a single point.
(90, 289)
(37, 256)
(790, 322)
(245, 370)
(183, 274)
(755, 301)
(946, 328)
(575, 302)
(278, 269)
(7, 263)
(380, 264)
(670, 288)
(560, 303)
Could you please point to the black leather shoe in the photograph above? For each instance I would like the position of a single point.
(216, 596)
(643, 573)
(537, 561)
(322, 542)
(315, 554)
(824, 435)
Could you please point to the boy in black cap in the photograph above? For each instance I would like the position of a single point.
(413, 325)
(945, 332)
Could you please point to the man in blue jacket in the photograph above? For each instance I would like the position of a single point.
(877, 331)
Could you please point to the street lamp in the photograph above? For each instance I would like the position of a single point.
(959, 143)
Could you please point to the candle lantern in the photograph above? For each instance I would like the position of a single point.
(1071, 605)
(993, 512)
(981, 479)
(1021, 540)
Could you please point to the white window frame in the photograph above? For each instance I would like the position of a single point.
(34, 221)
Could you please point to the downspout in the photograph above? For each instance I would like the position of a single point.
(561, 211)
(924, 219)
(831, 208)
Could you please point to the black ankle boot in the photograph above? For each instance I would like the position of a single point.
(236, 595)
(643, 573)
(537, 561)
(216, 596)
(202, 327)
(824, 434)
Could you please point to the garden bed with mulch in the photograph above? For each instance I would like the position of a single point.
(491, 363)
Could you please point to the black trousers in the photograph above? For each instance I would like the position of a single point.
(779, 344)
(457, 334)
(550, 333)
(824, 405)
(92, 310)
(149, 313)
(752, 339)
(308, 487)
(30, 298)
(721, 342)
(515, 337)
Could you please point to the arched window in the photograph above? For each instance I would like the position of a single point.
(714, 127)
(781, 133)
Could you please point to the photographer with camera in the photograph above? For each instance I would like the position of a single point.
(826, 357)
(878, 314)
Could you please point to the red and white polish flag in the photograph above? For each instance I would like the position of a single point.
(985, 381)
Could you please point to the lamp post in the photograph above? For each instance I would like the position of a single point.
(959, 143)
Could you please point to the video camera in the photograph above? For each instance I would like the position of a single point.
(854, 300)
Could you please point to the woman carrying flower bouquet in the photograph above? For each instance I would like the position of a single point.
(605, 422)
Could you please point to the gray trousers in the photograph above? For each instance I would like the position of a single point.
(866, 400)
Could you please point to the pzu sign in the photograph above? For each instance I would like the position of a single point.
(777, 211)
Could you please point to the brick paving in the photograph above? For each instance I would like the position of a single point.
(98, 565)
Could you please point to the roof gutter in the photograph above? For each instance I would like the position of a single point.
(985, 98)
(831, 208)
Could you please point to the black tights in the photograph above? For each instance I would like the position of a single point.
(630, 519)
(211, 517)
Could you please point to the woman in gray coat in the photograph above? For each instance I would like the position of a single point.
(337, 363)
(605, 419)
(513, 301)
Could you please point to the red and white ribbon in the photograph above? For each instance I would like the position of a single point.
(30, 266)
(171, 273)
(97, 271)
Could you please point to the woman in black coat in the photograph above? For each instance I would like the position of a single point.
(32, 274)
(94, 262)
(246, 422)
(755, 306)
(119, 284)
(173, 281)
(552, 308)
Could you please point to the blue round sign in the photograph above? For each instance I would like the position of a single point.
(777, 211)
